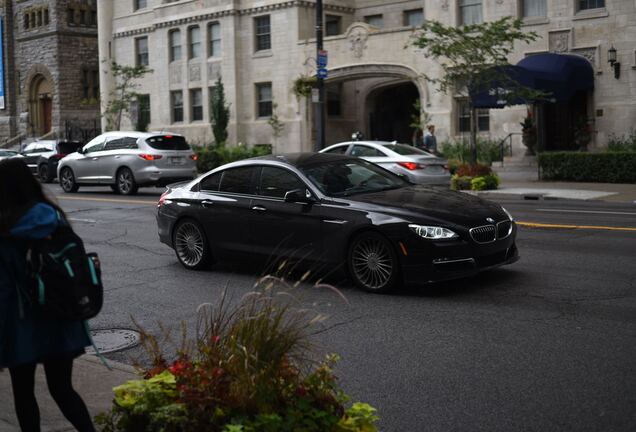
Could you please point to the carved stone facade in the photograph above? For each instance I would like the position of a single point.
(366, 42)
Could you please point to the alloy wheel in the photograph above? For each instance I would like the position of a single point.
(67, 181)
(189, 244)
(43, 172)
(373, 263)
(126, 182)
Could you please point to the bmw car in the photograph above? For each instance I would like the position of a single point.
(335, 209)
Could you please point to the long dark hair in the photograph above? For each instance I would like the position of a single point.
(19, 191)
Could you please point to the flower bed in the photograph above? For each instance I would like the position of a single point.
(474, 177)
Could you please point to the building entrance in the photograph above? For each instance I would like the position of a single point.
(40, 105)
(561, 120)
(391, 112)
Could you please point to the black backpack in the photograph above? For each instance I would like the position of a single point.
(64, 281)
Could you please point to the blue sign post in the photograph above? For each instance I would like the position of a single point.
(322, 73)
(2, 106)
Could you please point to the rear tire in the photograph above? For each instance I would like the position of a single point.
(372, 262)
(191, 245)
(44, 173)
(67, 180)
(125, 182)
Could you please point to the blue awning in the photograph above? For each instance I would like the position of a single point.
(561, 75)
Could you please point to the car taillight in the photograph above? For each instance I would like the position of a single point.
(411, 165)
(162, 198)
(194, 157)
(58, 156)
(149, 157)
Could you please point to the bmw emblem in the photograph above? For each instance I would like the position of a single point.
(490, 220)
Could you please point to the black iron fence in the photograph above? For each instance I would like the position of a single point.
(81, 131)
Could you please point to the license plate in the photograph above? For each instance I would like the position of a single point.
(435, 169)
(177, 160)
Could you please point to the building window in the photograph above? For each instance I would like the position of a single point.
(590, 4)
(374, 20)
(214, 40)
(194, 42)
(264, 99)
(46, 16)
(95, 83)
(263, 33)
(141, 51)
(90, 84)
(470, 12)
(143, 113)
(174, 38)
(176, 103)
(139, 4)
(196, 105)
(534, 8)
(414, 18)
(26, 21)
(334, 100)
(463, 118)
(333, 25)
(39, 18)
(70, 16)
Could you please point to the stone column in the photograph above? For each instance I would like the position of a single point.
(105, 39)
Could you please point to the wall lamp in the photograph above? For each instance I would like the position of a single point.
(611, 59)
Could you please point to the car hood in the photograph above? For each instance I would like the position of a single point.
(432, 203)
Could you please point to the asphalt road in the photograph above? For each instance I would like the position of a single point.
(547, 344)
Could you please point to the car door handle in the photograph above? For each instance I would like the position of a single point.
(207, 203)
(94, 158)
(259, 208)
(117, 157)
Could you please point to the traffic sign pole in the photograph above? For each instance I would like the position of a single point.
(320, 107)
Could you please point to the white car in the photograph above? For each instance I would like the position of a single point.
(419, 166)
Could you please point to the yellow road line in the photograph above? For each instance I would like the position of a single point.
(589, 227)
(108, 200)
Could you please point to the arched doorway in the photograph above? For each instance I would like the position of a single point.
(40, 105)
(391, 111)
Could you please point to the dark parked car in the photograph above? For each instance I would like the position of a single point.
(43, 156)
(336, 209)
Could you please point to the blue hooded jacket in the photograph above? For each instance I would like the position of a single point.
(27, 336)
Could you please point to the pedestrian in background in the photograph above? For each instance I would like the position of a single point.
(28, 337)
(430, 140)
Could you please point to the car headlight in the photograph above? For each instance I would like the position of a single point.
(432, 232)
(508, 214)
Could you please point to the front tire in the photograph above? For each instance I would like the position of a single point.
(125, 182)
(67, 181)
(372, 262)
(44, 173)
(191, 245)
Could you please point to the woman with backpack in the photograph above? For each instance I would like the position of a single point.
(28, 337)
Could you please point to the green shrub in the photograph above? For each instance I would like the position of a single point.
(625, 143)
(607, 167)
(213, 156)
(487, 150)
(460, 182)
(467, 170)
(487, 182)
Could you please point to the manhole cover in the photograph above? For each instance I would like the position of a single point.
(111, 340)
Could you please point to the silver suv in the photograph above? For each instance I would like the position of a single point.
(127, 160)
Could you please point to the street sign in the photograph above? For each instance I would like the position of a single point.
(322, 59)
(315, 95)
(322, 73)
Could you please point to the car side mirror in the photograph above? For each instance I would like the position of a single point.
(300, 196)
(80, 150)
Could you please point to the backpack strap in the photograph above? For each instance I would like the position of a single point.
(99, 355)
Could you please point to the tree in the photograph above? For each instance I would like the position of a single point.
(124, 93)
(275, 123)
(219, 113)
(473, 58)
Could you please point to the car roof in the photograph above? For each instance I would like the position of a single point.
(135, 134)
(300, 160)
(379, 143)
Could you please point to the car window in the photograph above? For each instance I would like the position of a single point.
(95, 145)
(168, 142)
(276, 182)
(405, 150)
(211, 182)
(365, 151)
(338, 150)
(237, 180)
(114, 144)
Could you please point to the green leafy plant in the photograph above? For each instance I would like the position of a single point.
(605, 167)
(303, 85)
(219, 113)
(624, 143)
(248, 368)
(488, 151)
(210, 157)
(275, 123)
(124, 93)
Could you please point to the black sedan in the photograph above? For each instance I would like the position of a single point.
(336, 210)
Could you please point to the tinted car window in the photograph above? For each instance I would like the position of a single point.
(406, 150)
(276, 182)
(338, 150)
(168, 142)
(365, 151)
(95, 145)
(211, 182)
(237, 180)
(121, 143)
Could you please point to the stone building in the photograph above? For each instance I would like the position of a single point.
(261, 47)
(51, 74)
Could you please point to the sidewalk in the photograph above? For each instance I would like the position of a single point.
(91, 380)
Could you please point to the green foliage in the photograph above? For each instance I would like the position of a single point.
(421, 119)
(275, 123)
(124, 93)
(488, 150)
(460, 182)
(303, 85)
(249, 368)
(219, 113)
(487, 181)
(625, 143)
(213, 156)
(607, 167)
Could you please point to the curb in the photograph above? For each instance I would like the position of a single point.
(116, 366)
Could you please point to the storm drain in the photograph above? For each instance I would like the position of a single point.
(111, 340)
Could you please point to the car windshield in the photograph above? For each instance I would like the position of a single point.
(406, 150)
(168, 142)
(350, 177)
